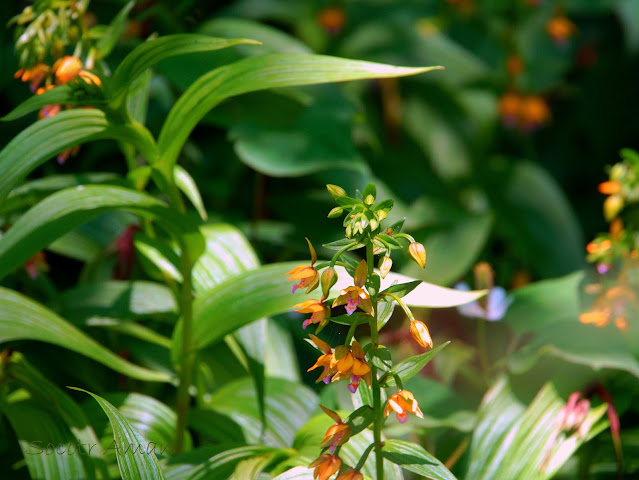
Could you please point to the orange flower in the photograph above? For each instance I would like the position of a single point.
(609, 187)
(320, 312)
(355, 296)
(89, 77)
(66, 68)
(307, 274)
(342, 364)
(509, 107)
(35, 75)
(337, 434)
(402, 403)
(325, 466)
(49, 111)
(350, 474)
(418, 252)
(419, 332)
(560, 29)
(331, 19)
(534, 113)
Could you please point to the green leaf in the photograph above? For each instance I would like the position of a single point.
(450, 254)
(414, 458)
(341, 243)
(152, 419)
(59, 94)
(265, 291)
(63, 211)
(228, 253)
(537, 217)
(46, 138)
(288, 407)
(260, 73)
(402, 289)
(507, 431)
(185, 182)
(273, 40)
(119, 299)
(150, 53)
(412, 366)
(296, 473)
(537, 306)
(360, 419)
(141, 466)
(24, 319)
(57, 402)
(213, 462)
(38, 440)
(110, 35)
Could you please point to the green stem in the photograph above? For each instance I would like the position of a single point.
(401, 303)
(351, 332)
(340, 251)
(187, 357)
(362, 459)
(377, 393)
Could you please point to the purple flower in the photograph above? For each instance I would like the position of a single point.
(496, 308)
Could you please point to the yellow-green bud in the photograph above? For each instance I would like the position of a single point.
(336, 212)
(612, 206)
(336, 191)
(418, 252)
(385, 265)
(329, 278)
(369, 200)
(617, 172)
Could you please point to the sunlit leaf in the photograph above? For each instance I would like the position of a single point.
(24, 319)
(414, 458)
(142, 465)
(411, 366)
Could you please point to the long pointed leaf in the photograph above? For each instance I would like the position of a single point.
(48, 137)
(24, 319)
(260, 73)
(135, 458)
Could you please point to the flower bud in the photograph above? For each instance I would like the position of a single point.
(350, 474)
(419, 332)
(618, 172)
(418, 252)
(326, 466)
(336, 191)
(612, 206)
(329, 278)
(369, 200)
(336, 212)
(360, 274)
(385, 265)
(609, 187)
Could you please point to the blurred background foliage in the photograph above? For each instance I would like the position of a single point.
(495, 158)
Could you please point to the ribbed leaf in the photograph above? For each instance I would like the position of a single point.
(24, 319)
(185, 182)
(48, 137)
(212, 463)
(414, 458)
(63, 211)
(118, 299)
(260, 73)
(288, 407)
(265, 292)
(507, 431)
(152, 419)
(142, 465)
(297, 473)
(39, 439)
(150, 53)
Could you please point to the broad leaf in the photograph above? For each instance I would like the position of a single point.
(39, 439)
(46, 138)
(414, 458)
(24, 319)
(507, 431)
(142, 465)
(59, 94)
(63, 211)
(260, 73)
(288, 407)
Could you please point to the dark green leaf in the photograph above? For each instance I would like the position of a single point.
(402, 289)
(23, 319)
